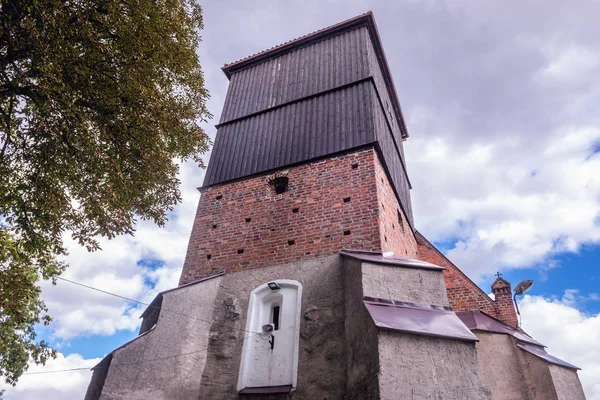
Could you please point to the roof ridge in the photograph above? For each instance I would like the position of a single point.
(299, 38)
(458, 269)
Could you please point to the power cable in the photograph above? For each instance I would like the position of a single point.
(145, 304)
(115, 365)
(126, 364)
(57, 370)
(148, 305)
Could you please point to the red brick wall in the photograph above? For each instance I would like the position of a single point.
(395, 232)
(504, 302)
(252, 218)
(463, 293)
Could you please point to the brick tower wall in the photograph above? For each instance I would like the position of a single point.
(463, 293)
(396, 234)
(340, 202)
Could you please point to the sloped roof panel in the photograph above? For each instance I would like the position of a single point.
(418, 319)
(477, 320)
(541, 353)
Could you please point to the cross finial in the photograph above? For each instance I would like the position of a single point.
(498, 274)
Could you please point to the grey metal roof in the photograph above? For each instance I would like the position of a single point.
(541, 353)
(419, 319)
(379, 258)
(477, 320)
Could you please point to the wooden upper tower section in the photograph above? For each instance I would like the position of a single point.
(322, 94)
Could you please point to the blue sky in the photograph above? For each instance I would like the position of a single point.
(501, 102)
(578, 271)
(567, 271)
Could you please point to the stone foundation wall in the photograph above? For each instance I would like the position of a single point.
(500, 370)
(567, 383)
(362, 361)
(167, 362)
(322, 347)
(423, 367)
(413, 285)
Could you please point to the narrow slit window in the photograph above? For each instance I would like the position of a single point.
(276, 317)
(400, 220)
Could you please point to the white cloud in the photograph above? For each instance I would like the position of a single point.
(497, 159)
(70, 385)
(569, 333)
(571, 64)
(117, 269)
(509, 203)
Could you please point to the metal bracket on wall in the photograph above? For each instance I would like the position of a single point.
(272, 342)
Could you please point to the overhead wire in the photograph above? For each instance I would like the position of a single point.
(116, 364)
(149, 305)
(252, 333)
(126, 364)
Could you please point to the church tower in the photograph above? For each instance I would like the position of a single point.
(305, 277)
(321, 114)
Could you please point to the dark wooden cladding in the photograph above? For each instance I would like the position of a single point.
(336, 121)
(333, 62)
(384, 96)
(392, 160)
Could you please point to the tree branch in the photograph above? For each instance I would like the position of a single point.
(8, 120)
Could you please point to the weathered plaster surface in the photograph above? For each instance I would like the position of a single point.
(404, 284)
(342, 354)
(536, 377)
(500, 369)
(168, 361)
(361, 338)
(322, 350)
(421, 367)
(566, 383)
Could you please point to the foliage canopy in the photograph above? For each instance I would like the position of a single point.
(98, 101)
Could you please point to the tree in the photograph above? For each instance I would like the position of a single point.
(99, 99)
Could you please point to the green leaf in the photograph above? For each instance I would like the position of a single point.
(97, 101)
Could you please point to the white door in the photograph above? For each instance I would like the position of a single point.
(271, 358)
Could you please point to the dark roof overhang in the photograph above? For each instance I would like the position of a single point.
(266, 390)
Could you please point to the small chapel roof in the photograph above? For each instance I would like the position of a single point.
(479, 321)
